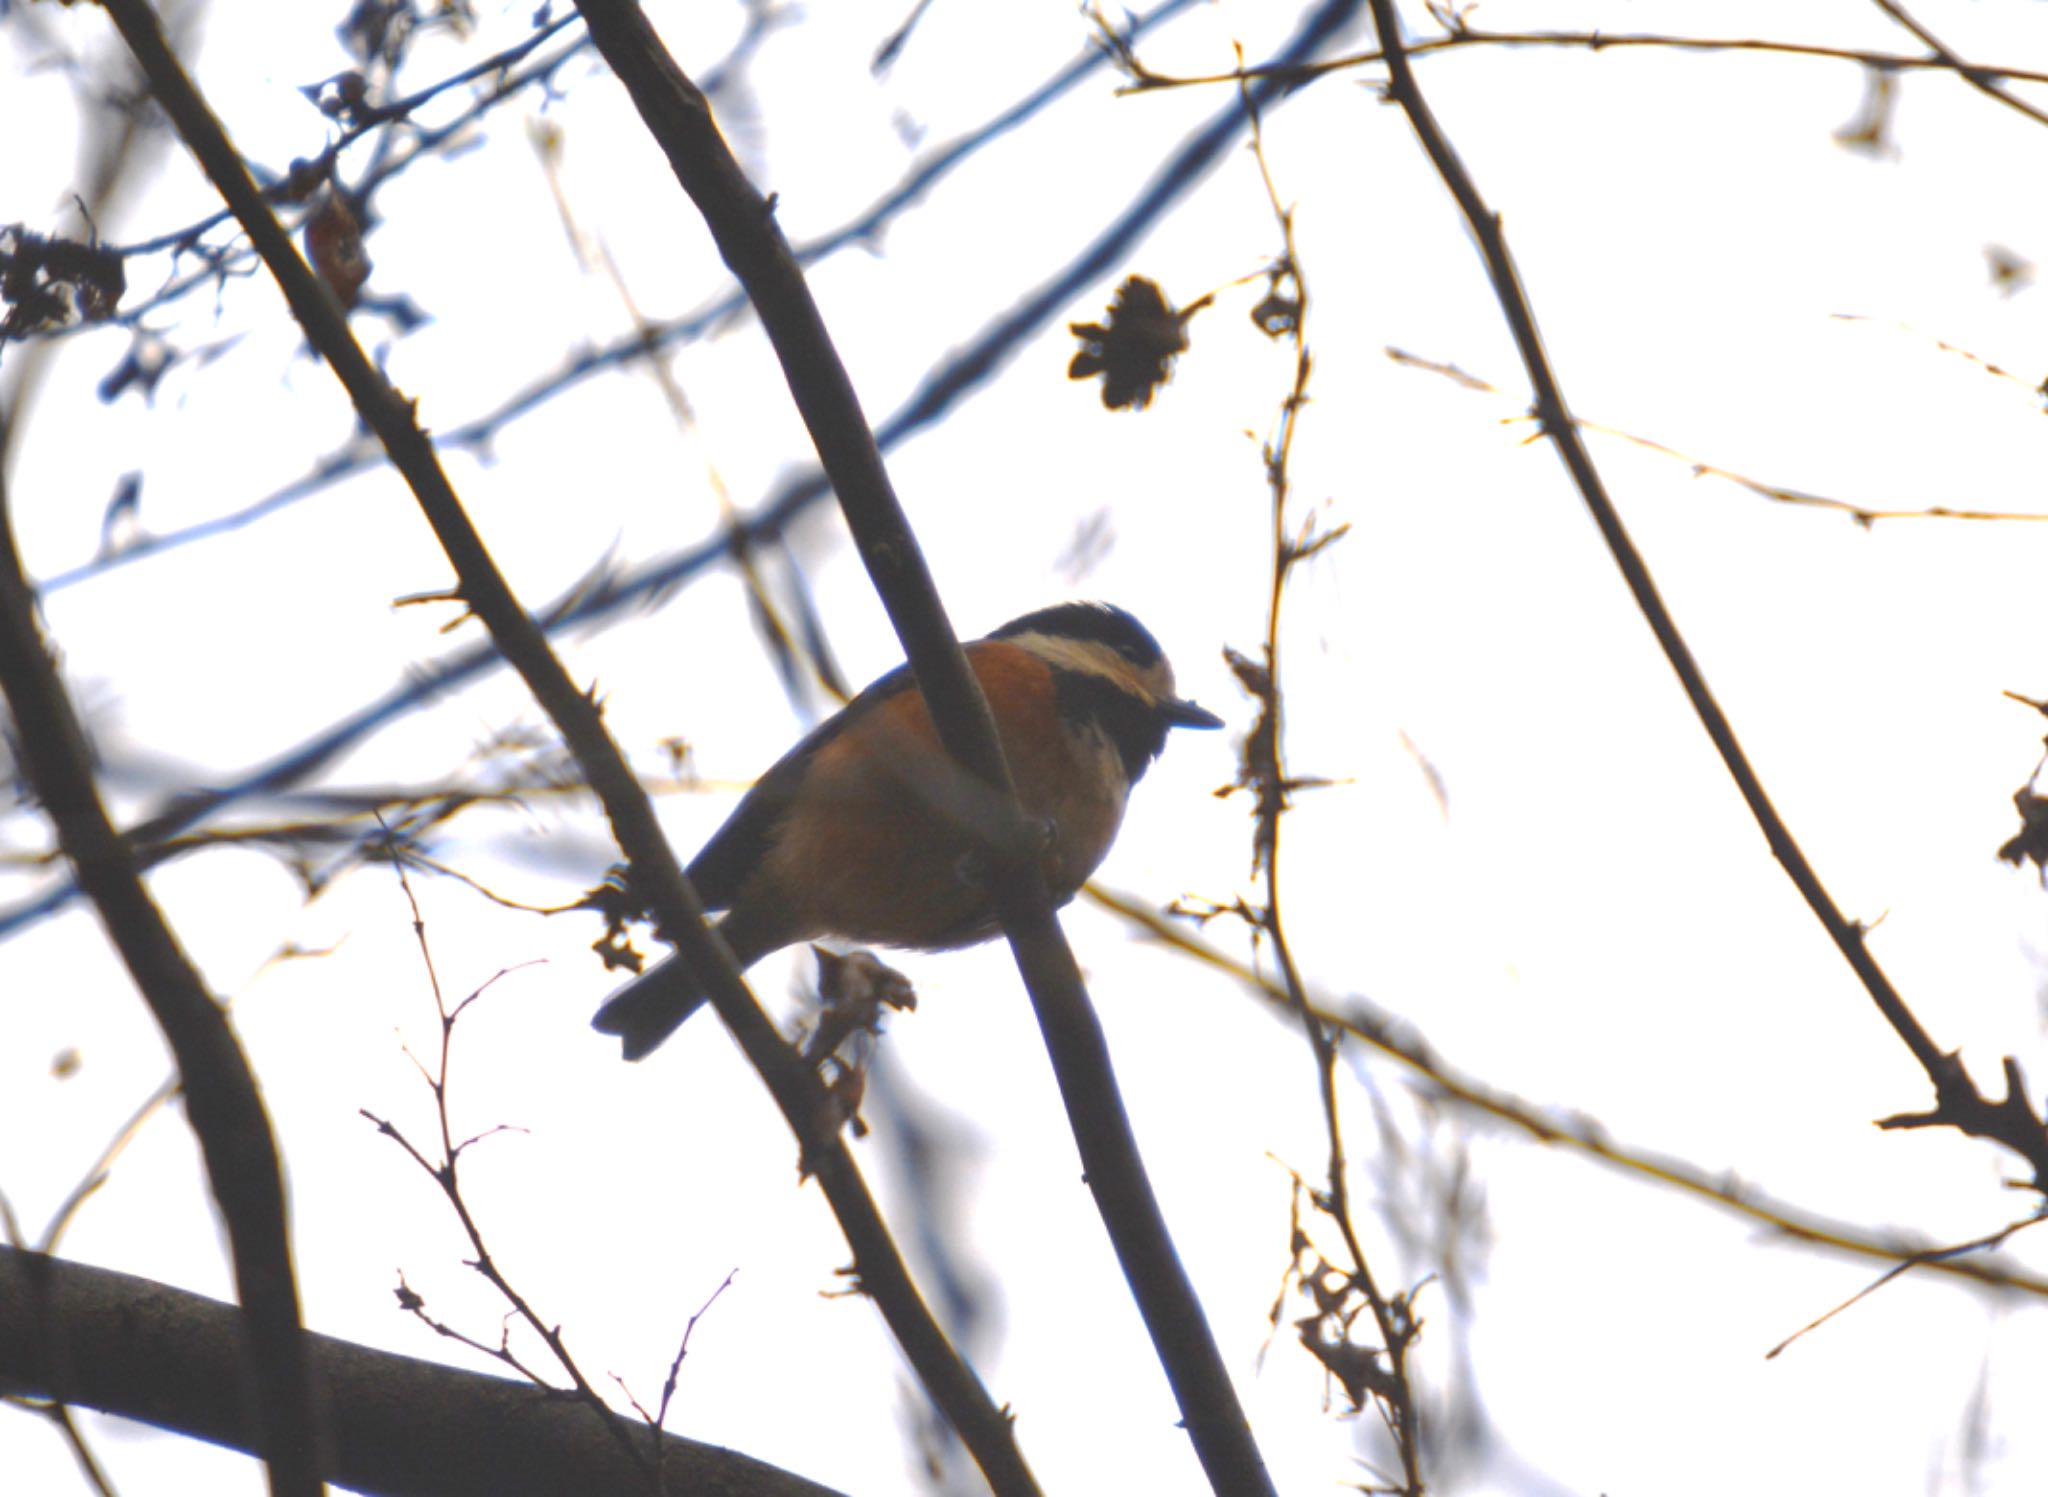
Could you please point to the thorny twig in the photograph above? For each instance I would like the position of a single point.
(659, 1416)
(1284, 313)
(443, 1168)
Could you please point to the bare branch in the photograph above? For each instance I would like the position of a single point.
(1958, 1104)
(576, 714)
(221, 1098)
(1386, 1033)
(402, 1427)
(1987, 81)
(742, 224)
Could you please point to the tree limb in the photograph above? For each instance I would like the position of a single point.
(401, 1427)
(221, 1100)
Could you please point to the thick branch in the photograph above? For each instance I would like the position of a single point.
(742, 223)
(221, 1099)
(400, 1426)
(678, 913)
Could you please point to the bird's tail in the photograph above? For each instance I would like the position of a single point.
(650, 1008)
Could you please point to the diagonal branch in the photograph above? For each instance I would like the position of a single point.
(402, 1427)
(1988, 81)
(1958, 1103)
(1263, 770)
(1435, 1076)
(971, 358)
(221, 1098)
(742, 224)
(678, 913)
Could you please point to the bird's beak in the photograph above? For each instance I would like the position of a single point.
(1182, 713)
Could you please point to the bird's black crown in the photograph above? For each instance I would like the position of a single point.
(1097, 623)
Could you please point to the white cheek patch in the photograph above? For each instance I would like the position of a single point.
(1149, 686)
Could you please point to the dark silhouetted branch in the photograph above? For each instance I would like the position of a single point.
(657, 875)
(742, 224)
(401, 1427)
(221, 1099)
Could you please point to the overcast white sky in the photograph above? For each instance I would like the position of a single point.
(1584, 916)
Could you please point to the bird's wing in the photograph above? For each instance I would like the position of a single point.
(735, 849)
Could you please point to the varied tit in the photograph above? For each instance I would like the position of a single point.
(865, 830)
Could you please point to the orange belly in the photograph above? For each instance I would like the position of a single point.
(887, 849)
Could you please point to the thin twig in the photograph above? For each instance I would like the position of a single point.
(406, 1424)
(369, 118)
(1266, 773)
(1384, 1032)
(1470, 37)
(1986, 81)
(659, 1417)
(445, 1170)
(1862, 514)
(1899, 1270)
(59, 1415)
(968, 362)
(95, 1174)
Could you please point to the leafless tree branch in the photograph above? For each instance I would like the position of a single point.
(221, 1099)
(401, 1427)
(2012, 1120)
(577, 715)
